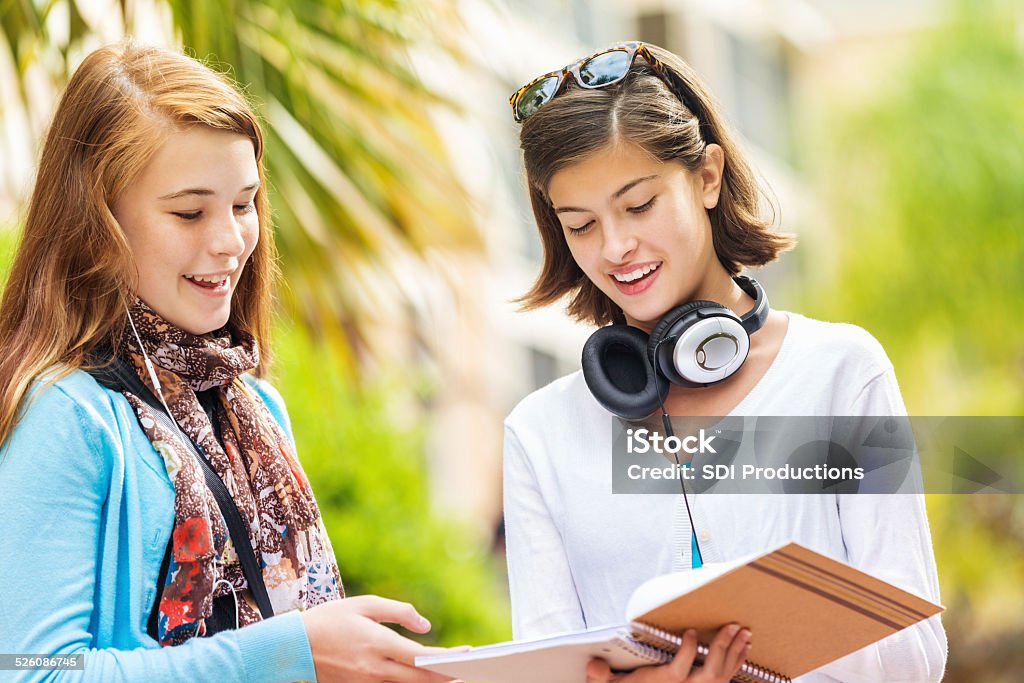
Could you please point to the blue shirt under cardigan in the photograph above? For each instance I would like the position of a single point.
(86, 510)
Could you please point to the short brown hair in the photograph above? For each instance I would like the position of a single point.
(643, 110)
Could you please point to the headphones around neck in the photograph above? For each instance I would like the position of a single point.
(697, 344)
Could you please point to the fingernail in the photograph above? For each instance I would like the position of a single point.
(691, 632)
(745, 634)
(424, 623)
(732, 629)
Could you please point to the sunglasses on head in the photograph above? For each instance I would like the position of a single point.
(599, 70)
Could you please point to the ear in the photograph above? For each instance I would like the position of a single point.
(711, 172)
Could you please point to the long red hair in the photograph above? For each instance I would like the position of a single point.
(73, 272)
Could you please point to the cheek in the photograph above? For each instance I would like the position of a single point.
(677, 223)
(585, 249)
(251, 236)
(581, 256)
(146, 248)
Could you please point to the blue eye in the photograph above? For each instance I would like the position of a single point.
(245, 208)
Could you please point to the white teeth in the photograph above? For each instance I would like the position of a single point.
(217, 279)
(636, 274)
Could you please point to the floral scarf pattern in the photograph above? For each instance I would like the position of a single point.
(258, 465)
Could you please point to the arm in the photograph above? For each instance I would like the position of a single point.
(56, 480)
(887, 536)
(346, 637)
(544, 599)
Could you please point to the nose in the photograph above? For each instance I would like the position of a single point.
(619, 241)
(227, 235)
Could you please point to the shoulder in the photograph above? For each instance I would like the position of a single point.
(68, 416)
(62, 393)
(564, 401)
(840, 369)
(840, 345)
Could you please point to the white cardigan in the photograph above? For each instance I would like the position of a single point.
(576, 551)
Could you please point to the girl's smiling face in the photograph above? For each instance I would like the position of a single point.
(191, 223)
(639, 229)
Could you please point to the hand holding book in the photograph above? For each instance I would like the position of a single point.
(727, 651)
(807, 609)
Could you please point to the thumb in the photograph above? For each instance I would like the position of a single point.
(434, 650)
(598, 671)
(392, 612)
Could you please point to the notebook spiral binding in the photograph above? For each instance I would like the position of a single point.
(652, 654)
(660, 639)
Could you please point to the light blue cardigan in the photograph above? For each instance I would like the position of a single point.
(86, 509)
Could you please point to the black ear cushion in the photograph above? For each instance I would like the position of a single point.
(617, 373)
(671, 318)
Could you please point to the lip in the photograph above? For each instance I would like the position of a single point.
(213, 274)
(222, 290)
(637, 286)
(631, 267)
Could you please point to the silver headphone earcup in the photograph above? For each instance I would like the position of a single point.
(710, 350)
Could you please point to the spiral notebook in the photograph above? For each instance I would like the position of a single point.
(804, 609)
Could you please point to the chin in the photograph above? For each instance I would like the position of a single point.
(205, 326)
(647, 316)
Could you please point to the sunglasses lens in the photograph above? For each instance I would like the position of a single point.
(605, 68)
(539, 94)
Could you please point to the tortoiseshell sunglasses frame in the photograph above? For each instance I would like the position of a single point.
(632, 49)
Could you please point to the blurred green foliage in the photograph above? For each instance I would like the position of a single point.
(369, 475)
(923, 185)
(8, 242)
(924, 188)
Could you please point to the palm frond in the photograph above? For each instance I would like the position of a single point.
(358, 175)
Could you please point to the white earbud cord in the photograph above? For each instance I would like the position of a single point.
(152, 373)
(234, 595)
(179, 433)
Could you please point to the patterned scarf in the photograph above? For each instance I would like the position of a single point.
(257, 464)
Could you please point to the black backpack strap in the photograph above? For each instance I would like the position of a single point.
(161, 581)
(119, 376)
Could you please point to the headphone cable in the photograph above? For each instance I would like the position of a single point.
(667, 423)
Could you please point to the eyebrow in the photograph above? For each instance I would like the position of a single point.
(203, 192)
(618, 193)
